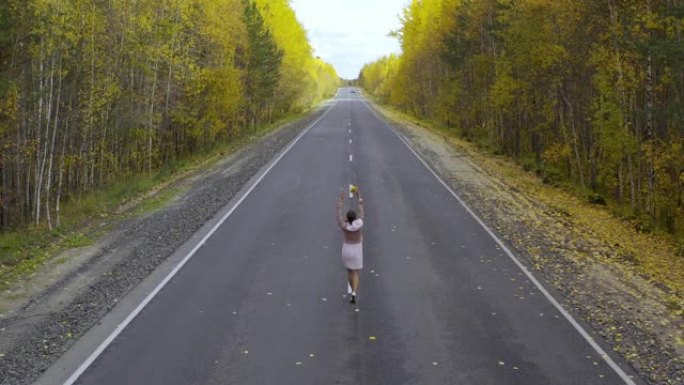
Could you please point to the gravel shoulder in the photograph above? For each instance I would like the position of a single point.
(42, 316)
(567, 244)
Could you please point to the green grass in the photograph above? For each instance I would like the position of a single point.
(84, 219)
(76, 240)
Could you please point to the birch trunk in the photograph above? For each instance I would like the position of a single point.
(46, 140)
(35, 203)
(575, 140)
(62, 162)
(151, 112)
(48, 184)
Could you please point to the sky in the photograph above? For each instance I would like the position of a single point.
(350, 33)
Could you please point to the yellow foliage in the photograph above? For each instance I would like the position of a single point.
(583, 93)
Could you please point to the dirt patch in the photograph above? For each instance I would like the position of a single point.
(598, 264)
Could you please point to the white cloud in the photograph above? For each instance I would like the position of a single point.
(350, 33)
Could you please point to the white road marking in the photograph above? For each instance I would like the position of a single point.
(89, 361)
(351, 157)
(613, 365)
(350, 141)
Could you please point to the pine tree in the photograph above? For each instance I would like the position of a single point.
(262, 63)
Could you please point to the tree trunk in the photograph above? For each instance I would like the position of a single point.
(48, 185)
(35, 203)
(650, 97)
(620, 190)
(632, 184)
(60, 180)
(4, 195)
(150, 122)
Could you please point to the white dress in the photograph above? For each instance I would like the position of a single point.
(352, 253)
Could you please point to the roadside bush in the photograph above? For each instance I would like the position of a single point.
(679, 249)
(551, 176)
(644, 224)
(597, 199)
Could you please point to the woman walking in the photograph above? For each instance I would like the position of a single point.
(352, 247)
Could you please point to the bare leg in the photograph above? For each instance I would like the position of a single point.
(353, 277)
(354, 280)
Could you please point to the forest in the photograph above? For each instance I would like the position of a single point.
(587, 94)
(95, 91)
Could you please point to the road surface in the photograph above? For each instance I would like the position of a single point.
(263, 300)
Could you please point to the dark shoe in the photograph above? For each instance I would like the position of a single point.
(353, 298)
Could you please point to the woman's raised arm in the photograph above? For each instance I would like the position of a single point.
(338, 209)
(361, 212)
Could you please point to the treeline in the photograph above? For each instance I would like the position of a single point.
(583, 92)
(92, 92)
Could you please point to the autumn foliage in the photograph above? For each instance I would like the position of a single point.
(92, 92)
(586, 93)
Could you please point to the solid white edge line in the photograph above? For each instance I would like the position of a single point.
(618, 370)
(101, 348)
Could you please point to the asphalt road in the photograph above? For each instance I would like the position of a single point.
(263, 300)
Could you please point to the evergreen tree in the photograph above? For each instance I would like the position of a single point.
(262, 64)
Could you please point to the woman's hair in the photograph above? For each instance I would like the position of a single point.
(351, 216)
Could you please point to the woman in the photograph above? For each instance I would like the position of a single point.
(352, 247)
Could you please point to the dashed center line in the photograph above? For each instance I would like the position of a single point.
(351, 157)
(350, 141)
